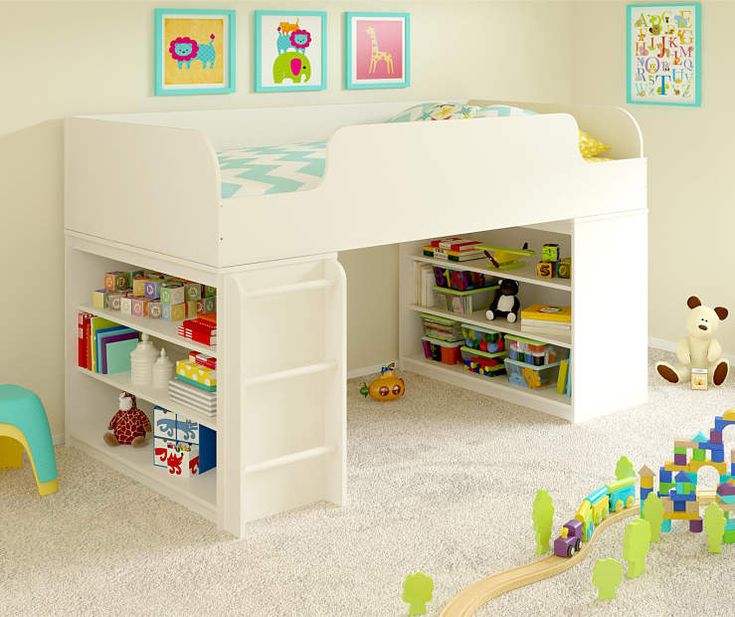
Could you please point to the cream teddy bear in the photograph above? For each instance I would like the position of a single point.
(699, 349)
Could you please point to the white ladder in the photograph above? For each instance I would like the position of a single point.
(283, 388)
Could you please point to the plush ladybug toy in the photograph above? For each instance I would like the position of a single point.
(129, 425)
(386, 387)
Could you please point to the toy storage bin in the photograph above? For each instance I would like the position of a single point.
(461, 280)
(482, 363)
(441, 328)
(482, 339)
(529, 351)
(530, 376)
(441, 351)
(464, 302)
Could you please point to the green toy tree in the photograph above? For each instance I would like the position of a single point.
(636, 543)
(418, 589)
(653, 512)
(606, 576)
(624, 469)
(543, 519)
(714, 527)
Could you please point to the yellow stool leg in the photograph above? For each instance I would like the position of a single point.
(11, 453)
(13, 434)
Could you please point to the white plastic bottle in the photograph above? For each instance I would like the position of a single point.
(142, 359)
(163, 371)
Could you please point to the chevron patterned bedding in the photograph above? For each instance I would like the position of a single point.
(262, 170)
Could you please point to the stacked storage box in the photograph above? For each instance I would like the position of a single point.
(442, 339)
(530, 363)
(462, 291)
(483, 351)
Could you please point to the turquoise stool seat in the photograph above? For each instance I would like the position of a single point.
(24, 426)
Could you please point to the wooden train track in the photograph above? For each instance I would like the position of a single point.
(469, 600)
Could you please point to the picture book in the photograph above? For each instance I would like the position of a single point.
(547, 312)
(96, 324)
(118, 355)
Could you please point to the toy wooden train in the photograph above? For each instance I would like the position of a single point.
(613, 497)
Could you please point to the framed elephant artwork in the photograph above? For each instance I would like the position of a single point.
(290, 51)
(377, 50)
(194, 51)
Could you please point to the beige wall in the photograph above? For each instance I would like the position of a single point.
(66, 58)
(691, 180)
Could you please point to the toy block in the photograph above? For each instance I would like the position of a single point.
(99, 298)
(718, 456)
(684, 443)
(729, 415)
(117, 281)
(691, 506)
(665, 526)
(668, 504)
(192, 291)
(176, 312)
(680, 506)
(172, 294)
(191, 309)
(154, 309)
(720, 467)
(209, 292)
(114, 300)
(671, 466)
(680, 451)
(126, 305)
(139, 307)
(681, 516)
(153, 289)
(696, 526)
(550, 252)
(664, 475)
(210, 304)
(727, 507)
(721, 422)
(564, 268)
(545, 270)
(680, 459)
(139, 286)
(644, 492)
(729, 537)
(698, 455)
(715, 436)
(160, 451)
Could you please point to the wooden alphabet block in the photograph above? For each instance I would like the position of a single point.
(192, 291)
(172, 293)
(545, 270)
(126, 305)
(140, 307)
(155, 311)
(99, 298)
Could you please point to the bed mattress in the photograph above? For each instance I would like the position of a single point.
(262, 170)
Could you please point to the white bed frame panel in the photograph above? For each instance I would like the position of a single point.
(145, 190)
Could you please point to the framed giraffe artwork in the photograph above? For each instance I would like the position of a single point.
(290, 50)
(194, 51)
(664, 54)
(378, 50)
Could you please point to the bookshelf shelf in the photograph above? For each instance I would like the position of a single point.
(526, 274)
(164, 330)
(121, 381)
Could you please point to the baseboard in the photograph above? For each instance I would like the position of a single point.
(362, 372)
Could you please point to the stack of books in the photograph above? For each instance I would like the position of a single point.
(104, 346)
(546, 319)
(454, 249)
(203, 329)
(425, 284)
(195, 383)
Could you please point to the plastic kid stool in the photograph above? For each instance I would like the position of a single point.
(23, 424)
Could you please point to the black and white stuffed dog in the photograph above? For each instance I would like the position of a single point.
(506, 303)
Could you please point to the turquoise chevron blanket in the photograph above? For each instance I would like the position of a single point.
(262, 170)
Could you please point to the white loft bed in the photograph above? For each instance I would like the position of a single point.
(145, 190)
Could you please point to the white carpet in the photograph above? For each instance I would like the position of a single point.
(442, 481)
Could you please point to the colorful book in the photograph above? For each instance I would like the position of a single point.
(196, 384)
(561, 382)
(83, 359)
(118, 355)
(96, 324)
(547, 312)
(203, 359)
(107, 338)
(458, 245)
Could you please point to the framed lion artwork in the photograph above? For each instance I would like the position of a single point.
(194, 51)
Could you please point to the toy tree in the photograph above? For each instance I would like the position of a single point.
(543, 519)
(714, 527)
(418, 589)
(624, 469)
(653, 512)
(606, 576)
(636, 543)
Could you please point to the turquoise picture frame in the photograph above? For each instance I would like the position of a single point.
(160, 88)
(349, 82)
(259, 80)
(630, 14)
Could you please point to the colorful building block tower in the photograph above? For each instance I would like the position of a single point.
(646, 483)
(726, 501)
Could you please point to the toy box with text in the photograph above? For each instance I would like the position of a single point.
(183, 447)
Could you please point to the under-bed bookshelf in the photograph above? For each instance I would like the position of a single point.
(610, 378)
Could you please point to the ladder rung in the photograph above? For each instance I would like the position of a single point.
(303, 455)
(292, 288)
(292, 372)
